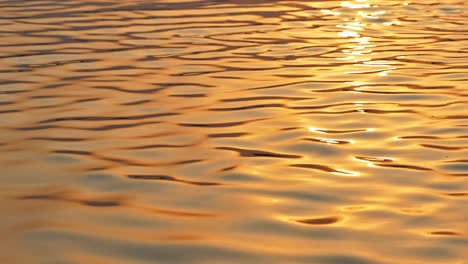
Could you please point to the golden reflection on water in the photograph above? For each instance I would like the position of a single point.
(233, 131)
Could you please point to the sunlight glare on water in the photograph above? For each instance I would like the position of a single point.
(234, 131)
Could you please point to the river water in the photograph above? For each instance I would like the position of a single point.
(234, 131)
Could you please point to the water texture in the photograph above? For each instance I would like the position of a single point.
(233, 131)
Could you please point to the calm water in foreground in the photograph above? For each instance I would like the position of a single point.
(234, 131)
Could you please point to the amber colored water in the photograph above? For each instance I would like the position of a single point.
(234, 131)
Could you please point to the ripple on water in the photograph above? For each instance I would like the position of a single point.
(319, 221)
(233, 131)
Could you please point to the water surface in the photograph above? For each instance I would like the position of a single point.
(172, 131)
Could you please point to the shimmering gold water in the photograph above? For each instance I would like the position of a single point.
(233, 131)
